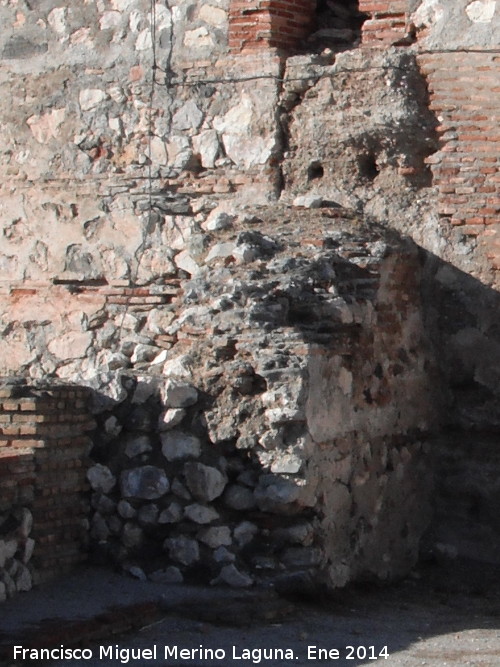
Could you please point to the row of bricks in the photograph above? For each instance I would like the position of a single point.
(381, 7)
(240, 6)
(459, 62)
(12, 417)
(43, 430)
(43, 404)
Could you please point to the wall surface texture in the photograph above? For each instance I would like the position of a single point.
(202, 212)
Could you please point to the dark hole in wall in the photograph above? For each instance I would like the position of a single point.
(368, 167)
(315, 171)
(337, 25)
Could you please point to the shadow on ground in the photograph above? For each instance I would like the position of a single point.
(446, 612)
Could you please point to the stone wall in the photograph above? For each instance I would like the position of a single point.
(283, 434)
(43, 462)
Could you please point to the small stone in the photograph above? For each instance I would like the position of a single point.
(148, 515)
(125, 510)
(146, 387)
(215, 536)
(137, 445)
(90, 98)
(245, 532)
(29, 547)
(302, 533)
(239, 497)
(101, 478)
(187, 117)
(171, 575)
(180, 490)
(204, 482)
(178, 445)
(223, 555)
(160, 358)
(308, 201)
(170, 418)
(274, 493)
(182, 550)
(303, 557)
(137, 573)
(143, 353)
(200, 513)
(102, 503)
(181, 366)
(286, 464)
(112, 426)
(147, 482)
(7, 550)
(231, 576)
(172, 514)
(115, 525)
(10, 585)
(220, 251)
(26, 523)
(99, 530)
(186, 262)
(245, 253)
(179, 394)
(132, 535)
(206, 145)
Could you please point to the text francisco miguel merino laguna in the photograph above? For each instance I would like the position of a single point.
(166, 653)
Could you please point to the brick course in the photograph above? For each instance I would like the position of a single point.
(281, 24)
(387, 22)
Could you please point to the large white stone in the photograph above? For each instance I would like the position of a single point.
(213, 15)
(186, 262)
(144, 40)
(122, 5)
(206, 145)
(58, 20)
(90, 98)
(47, 126)
(110, 20)
(481, 11)
(72, 345)
(246, 135)
(188, 117)
(198, 38)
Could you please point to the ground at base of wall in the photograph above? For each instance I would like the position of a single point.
(445, 612)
